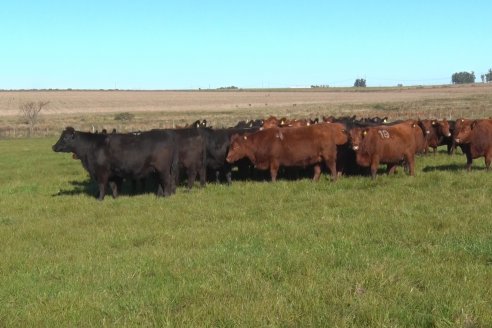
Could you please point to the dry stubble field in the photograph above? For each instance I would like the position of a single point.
(161, 109)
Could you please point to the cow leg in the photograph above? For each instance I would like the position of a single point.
(317, 172)
(410, 159)
(390, 169)
(273, 171)
(488, 159)
(217, 176)
(165, 184)
(203, 176)
(332, 165)
(191, 177)
(469, 161)
(102, 182)
(434, 149)
(228, 175)
(374, 168)
(114, 188)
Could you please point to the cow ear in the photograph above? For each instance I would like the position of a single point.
(473, 124)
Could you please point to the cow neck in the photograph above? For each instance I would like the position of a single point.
(85, 143)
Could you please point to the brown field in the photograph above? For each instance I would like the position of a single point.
(154, 109)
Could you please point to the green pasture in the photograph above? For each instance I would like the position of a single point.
(395, 252)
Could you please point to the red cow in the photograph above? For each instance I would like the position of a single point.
(303, 146)
(478, 135)
(391, 145)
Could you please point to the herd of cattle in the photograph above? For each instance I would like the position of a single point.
(292, 148)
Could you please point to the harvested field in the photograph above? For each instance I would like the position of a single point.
(87, 109)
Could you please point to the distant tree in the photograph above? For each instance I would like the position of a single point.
(488, 76)
(360, 83)
(30, 113)
(463, 77)
(483, 78)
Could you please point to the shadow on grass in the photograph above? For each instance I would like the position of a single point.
(451, 167)
(90, 188)
(86, 187)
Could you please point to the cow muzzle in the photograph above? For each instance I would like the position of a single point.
(448, 135)
(457, 140)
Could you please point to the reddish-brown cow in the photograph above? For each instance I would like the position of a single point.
(391, 145)
(436, 133)
(303, 146)
(478, 135)
(272, 122)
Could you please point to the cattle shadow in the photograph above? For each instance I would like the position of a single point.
(86, 187)
(451, 167)
(89, 187)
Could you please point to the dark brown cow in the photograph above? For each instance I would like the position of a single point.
(303, 146)
(478, 135)
(436, 133)
(391, 145)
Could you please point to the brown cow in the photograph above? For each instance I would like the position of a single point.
(436, 133)
(303, 146)
(273, 122)
(478, 135)
(391, 145)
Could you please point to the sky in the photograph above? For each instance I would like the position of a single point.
(249, 44)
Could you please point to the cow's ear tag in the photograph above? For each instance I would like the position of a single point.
(245, 138)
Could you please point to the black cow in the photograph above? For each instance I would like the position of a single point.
(113, 157)
(192, 154)
(218, 142)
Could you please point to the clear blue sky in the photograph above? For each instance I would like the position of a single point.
(202, 44)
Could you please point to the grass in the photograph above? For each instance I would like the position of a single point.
(397, 251)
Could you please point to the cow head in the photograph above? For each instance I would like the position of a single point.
(426, 126)
(270, 122)
(238, 148)
(356, 137)
(66, 143)
(444, 128)
(463, 131)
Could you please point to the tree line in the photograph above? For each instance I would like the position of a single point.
(469, 77)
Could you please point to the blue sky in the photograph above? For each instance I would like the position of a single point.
(202, 44)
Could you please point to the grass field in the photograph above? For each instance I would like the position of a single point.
(394, 252)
